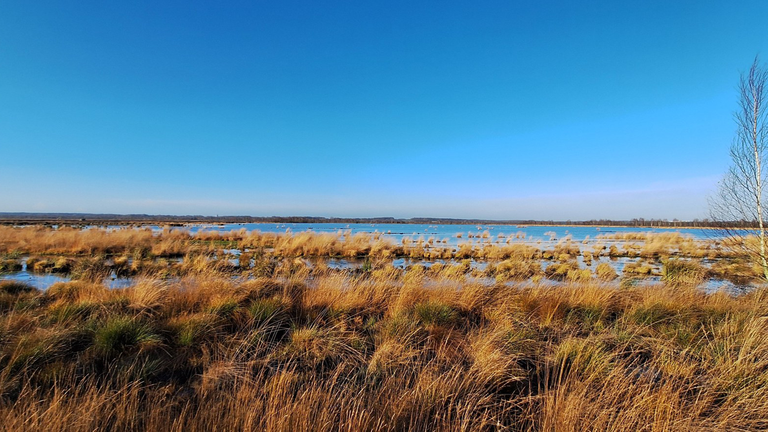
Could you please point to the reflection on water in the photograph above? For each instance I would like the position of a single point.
(43, 281)
(39, 281)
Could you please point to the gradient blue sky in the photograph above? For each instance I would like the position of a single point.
(504, 110)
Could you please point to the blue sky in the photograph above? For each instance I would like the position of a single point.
(504, 110)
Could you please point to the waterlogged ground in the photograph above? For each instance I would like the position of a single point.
(45, 280)
(457, 234)
(586, 248)
(711, 285)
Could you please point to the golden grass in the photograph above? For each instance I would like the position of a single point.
(424, 349)
(276, 341)
(71, 240)
(142, 244)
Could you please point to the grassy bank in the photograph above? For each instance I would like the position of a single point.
(384, 350)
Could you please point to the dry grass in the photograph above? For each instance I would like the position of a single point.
(65, 240)
(271, 340)
(663, 245)
(424, 349)
(141, 244)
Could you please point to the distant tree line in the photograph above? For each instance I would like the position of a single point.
(91, 218)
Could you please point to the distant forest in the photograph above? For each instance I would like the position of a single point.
(120, 219)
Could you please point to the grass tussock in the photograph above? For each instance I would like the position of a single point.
(683, 272)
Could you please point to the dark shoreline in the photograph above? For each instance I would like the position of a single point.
(11, 218)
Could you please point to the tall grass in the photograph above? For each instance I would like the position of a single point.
(427, 349)
(142, 244)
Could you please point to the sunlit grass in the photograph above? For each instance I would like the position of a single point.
(381, 352)
(274, 341)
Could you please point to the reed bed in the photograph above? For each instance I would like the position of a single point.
(386, 349)
(95, 254)
(142, 242)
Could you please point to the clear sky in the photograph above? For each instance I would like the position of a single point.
(486, 109)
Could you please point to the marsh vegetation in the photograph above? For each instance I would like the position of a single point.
(99, 254)
(255, 331)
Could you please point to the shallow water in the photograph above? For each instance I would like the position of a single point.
(710, 285)
(396, 232)
(39, 281)
(43, 281)
(443, 235)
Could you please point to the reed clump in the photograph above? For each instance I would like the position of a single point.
(606, 272)
(9, 265)
(737, 270)
(683, 272)
(638, 268)
(516, 269)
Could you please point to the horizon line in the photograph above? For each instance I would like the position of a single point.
(125, 217)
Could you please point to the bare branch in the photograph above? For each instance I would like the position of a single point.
(741, 194)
